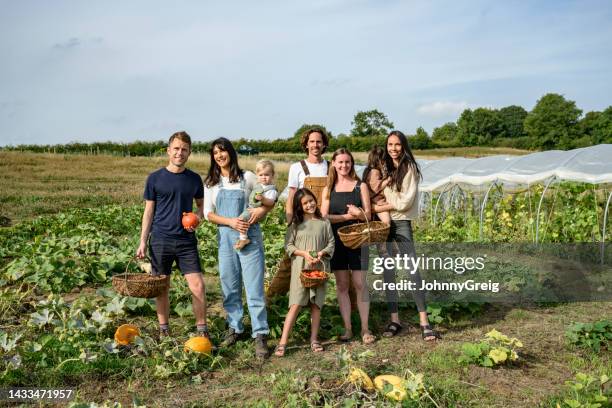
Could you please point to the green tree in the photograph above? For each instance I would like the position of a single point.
(512, 119)
(553, 122)
(445, 135)
(465, 128)
(602, 132)
(479, 127)
(298, 133)
(421, 140)
(371, 123)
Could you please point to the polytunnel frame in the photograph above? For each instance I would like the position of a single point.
(555, 179)
(603, 232)
(482, 207)
(548, 183)
(446, 190)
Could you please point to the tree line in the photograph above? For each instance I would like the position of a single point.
(553, 123)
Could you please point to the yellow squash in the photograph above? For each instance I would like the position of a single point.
(398, 392)
(359, 378)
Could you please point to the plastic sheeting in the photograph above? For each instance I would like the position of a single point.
(589, 164)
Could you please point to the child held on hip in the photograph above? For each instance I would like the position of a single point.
(264, 193)
(377, 179)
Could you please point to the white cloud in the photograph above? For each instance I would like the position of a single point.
(442, 108)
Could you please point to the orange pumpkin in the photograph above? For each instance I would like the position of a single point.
(199, 344)
(126, 333)
(190, 220)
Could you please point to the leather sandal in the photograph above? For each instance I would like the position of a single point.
(427, 331)
(392, 329)
(316, 346)
(346, 337)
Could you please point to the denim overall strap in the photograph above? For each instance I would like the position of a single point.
(240, 267)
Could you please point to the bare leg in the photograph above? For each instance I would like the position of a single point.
(198, 296)
(385, 217)
(363, 301)
(292, 315)
(162, 304)
(315, 322)
(344, 301)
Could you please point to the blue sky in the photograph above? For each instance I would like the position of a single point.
(140, 70)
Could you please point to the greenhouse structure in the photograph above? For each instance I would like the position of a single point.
(447, 183)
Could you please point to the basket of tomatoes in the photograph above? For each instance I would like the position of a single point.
(313, 277)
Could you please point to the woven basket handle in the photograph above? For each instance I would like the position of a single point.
(127, 267)
(367, 224)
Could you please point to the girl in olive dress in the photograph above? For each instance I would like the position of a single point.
(310, 244)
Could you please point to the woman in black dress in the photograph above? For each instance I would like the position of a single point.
(342, 198)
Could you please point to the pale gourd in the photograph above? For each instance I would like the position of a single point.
(397, 393)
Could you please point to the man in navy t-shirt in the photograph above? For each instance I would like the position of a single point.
(169, 192)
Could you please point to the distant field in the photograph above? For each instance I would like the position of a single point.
(362, 157)
(33, 184)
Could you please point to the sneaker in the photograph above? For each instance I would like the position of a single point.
(163, 333)
(241, 243)
(261, 346)
(231, 337)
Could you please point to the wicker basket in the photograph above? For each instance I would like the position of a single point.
(362, 233)
(311, 282)
(141, 285)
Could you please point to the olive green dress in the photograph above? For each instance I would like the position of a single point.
(312, 235)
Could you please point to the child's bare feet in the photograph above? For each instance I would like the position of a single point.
(241, 243)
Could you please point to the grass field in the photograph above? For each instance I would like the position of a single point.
(34, 185)
(39, 184)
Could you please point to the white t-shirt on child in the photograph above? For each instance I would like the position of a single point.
(297, 175)
(271, 193)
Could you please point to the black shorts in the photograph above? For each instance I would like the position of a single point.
(164, 251)
(346, 259)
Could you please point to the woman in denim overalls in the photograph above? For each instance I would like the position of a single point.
(226, 189)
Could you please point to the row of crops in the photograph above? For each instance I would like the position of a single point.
(58, 312)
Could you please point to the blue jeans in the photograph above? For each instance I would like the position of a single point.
(236, 268)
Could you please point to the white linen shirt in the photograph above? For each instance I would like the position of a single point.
(210, 193)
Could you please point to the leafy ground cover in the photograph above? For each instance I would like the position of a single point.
(58, 314)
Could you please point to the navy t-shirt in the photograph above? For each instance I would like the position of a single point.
(173, 194)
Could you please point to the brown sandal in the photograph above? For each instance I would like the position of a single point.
(316, 347)
(346, 337)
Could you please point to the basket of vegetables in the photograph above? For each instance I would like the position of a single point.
(313, 277)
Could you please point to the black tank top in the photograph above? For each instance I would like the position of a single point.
(339, 200)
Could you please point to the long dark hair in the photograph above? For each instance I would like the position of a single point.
(405, 161)
(332, 176)
(214, 172)
(298, 211)
(376, 160)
